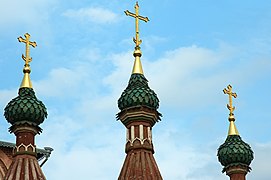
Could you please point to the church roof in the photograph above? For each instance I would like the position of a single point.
(138, 93)
(25, 108)
(140, 164)
(24, 167)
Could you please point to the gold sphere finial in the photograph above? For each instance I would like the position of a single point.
(137, 52)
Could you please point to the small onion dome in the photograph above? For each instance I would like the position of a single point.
(25, 108)
(234, 151)
(138, 93)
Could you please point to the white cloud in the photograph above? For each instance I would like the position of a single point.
(92, 14)
(191, 75)
(23, 13)
(61, 82)
(7, 95)
(118, 79)
(82, 148)
(179, 159)
(261, 163)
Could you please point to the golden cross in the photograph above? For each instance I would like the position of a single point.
(27, 42)
(228, 91)
(137, 17)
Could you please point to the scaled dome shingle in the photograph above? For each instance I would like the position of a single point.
(138, 93)
(234, 151)
(25, 108)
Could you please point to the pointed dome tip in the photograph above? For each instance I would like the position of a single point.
(137, 68)
(232, 129)
(26, 82)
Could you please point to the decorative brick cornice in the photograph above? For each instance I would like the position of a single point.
(25, 149)
(237, 169)
(139, 113)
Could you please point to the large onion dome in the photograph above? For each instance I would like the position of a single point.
(234, 151)
(25, 108)
(138, 93)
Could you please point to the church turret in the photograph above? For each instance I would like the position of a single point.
(25, 113)
(234, 154)
(138, 104)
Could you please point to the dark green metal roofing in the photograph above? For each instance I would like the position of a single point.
(25, 108)
(138, 93)
(234, 151)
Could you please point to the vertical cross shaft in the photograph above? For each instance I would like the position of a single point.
(28, 43)
(137, 17)
(228, 91)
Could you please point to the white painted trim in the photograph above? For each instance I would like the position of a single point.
(149, 134)
(132, 133)
(141, 135)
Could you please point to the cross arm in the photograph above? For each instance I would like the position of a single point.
(128, 13)
(234, 95)
(20, 39)
(146, 19)
(33, 44)
(227, 90)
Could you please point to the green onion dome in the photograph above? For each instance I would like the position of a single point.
(25, 108)
(234, 151)
(138, 93)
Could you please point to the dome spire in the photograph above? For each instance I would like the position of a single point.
(25, 113)
(232, 128)
(26, 82)
(137, 69)
(138, 104)
(234, 154)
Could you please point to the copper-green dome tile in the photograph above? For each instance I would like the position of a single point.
(22, 108)
(25, 109)
(137, 91)
(234, 150)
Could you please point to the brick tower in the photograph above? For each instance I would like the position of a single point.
(234, 154)
(138, 104)
(25, 113)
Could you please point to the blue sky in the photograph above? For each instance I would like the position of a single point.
(191, 51)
